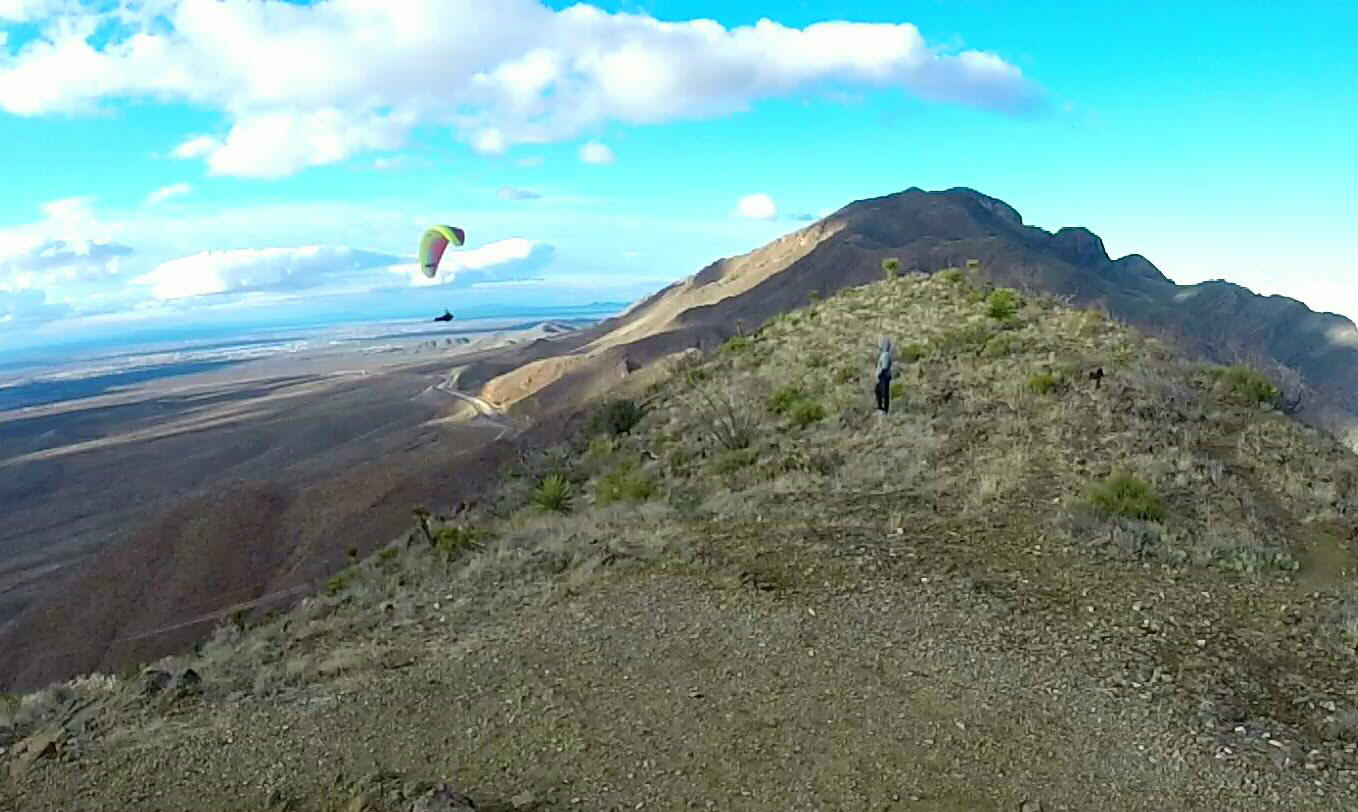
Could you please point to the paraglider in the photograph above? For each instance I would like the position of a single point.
(445, 317)
(434, 242)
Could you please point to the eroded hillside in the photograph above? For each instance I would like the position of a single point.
(1020, 589)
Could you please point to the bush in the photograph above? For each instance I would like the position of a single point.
(998, 346)
(554, 493)
(387, 554)
(897, 390)
(337, 584)
(737, 344)
(973, 265)
(805, 412)
(914, 351)
(954, 275)
(1002, 304)
(723, 417)
(969, 338)
(1042, 383)
(731, 460)
(449, 541)
(844, 375)
(891, 267)
(1124, 495)
(624, 485)
(1249, 384)
(783, 398)
(616, 417)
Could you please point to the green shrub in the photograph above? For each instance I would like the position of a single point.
(891, 267)
(897, 390)
(737, 344)
(1123, 494)
(815, 360)
(998, 345)
(914, 351)
(337, 584)
(805, 412)
(1251, 560)
(1248, 384)
(954, 275)
(387, 554)
(451, 540)
(1002, 304)
(968, 338)
(1042, 383)
(729, 461)
(624, 485)
(616, 417)
(844, 375)
(783, 398)
(554, 493)
(973, 265)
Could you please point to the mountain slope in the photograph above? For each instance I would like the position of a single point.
(946, 606)
(929, 231)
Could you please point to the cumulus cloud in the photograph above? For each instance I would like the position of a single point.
(596, 153)
(756, 207)
(504, 73)
(511, 260)
(250, 270)
(510, 193)
(164, 193)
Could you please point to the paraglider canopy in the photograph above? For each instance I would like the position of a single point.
(433, 244)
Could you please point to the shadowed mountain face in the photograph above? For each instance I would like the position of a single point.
(929, 231)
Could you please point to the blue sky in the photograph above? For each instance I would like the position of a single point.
(157, 169)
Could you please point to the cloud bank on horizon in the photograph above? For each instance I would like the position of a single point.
(289, 95)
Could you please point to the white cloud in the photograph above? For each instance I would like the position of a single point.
(27, 306)
(490, 142)
(530, 161)
(596, 153)
(511, 193)
(164, 193)
(259, 269)
(756, 207)
(197, 147)
(509, 260)
(509, 72)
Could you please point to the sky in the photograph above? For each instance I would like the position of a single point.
(263, 162)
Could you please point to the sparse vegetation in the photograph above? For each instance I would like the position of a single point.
(845, 375)
(737, 344)
(554, 493)
(954, 275)
(891, 267)
(616, 417)
(1125, 495)
(978, 507)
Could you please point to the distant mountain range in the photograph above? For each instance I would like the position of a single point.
(1314, 354)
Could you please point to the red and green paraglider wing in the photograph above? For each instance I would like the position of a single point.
(434, 242)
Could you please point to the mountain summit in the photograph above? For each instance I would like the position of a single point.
(1316, 354)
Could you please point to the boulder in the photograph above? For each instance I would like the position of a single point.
(44, 744)
(443, 799)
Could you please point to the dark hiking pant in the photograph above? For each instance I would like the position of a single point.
(884, 391)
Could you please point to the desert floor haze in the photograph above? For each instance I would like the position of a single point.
(733, 585)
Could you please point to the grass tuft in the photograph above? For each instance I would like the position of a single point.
(1123, 494)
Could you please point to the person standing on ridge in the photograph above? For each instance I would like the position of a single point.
(884, 376)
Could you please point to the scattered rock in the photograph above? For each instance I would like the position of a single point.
(1030, 806)
(524, 800)
(188, 684)
(153, 681)
(443, 799)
